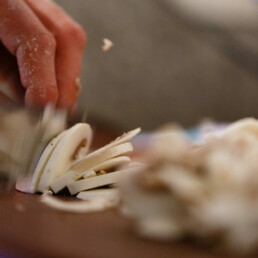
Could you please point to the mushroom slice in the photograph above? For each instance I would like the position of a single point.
(93, 159)
(95, 205)
(89, 174)
(76, 140)
(29, 184)
(111, 194)
(101, 155)
(111, 163)
(43, 161)
(126, 137)
(94, 182)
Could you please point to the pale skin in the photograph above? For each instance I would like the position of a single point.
(41, 51)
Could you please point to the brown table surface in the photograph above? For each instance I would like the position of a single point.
(40, 231)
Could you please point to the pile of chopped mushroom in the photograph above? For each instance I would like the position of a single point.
(207, 192)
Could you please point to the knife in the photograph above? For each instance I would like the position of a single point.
(23, 136)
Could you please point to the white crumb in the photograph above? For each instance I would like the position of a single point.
(107, 44)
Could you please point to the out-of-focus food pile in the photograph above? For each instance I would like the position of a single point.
(207, 192)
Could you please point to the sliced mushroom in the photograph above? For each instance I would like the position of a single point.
(43, 161)
(111, 194)
(109, 164)
(87, 163)
(101, 155)
(126, 137)
(94, 182)
(76, 139)
(96, 205)
(89, 174)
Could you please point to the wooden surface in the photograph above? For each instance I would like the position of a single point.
(40, 231)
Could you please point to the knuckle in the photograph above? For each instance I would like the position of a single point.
(47, 39)
(74, 32)
(39, 42)
(47, 43)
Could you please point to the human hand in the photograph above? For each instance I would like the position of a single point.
(40, 53)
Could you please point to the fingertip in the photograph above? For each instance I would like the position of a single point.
(40, 97)
(69, 95)
(72, 110)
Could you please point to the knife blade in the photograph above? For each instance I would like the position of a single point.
(23, 136)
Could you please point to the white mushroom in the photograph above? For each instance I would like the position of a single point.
(75, 139)
(111, 194)
(94, 182)
(44, 158)
(109, 164)
(88, 162)
(95, 205)
(209, 192)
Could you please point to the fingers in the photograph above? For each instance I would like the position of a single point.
(71, 40)
(23, 34)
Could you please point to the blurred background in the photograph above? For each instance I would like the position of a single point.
(172, 60)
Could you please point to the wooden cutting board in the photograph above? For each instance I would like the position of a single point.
(28, 228)
(40, 231)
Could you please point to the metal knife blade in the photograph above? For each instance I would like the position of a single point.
(24, 135)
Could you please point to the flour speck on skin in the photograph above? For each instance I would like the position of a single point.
(28, 45)
(31, 70)
(42, 92)
(32, 57)
(47, 52)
